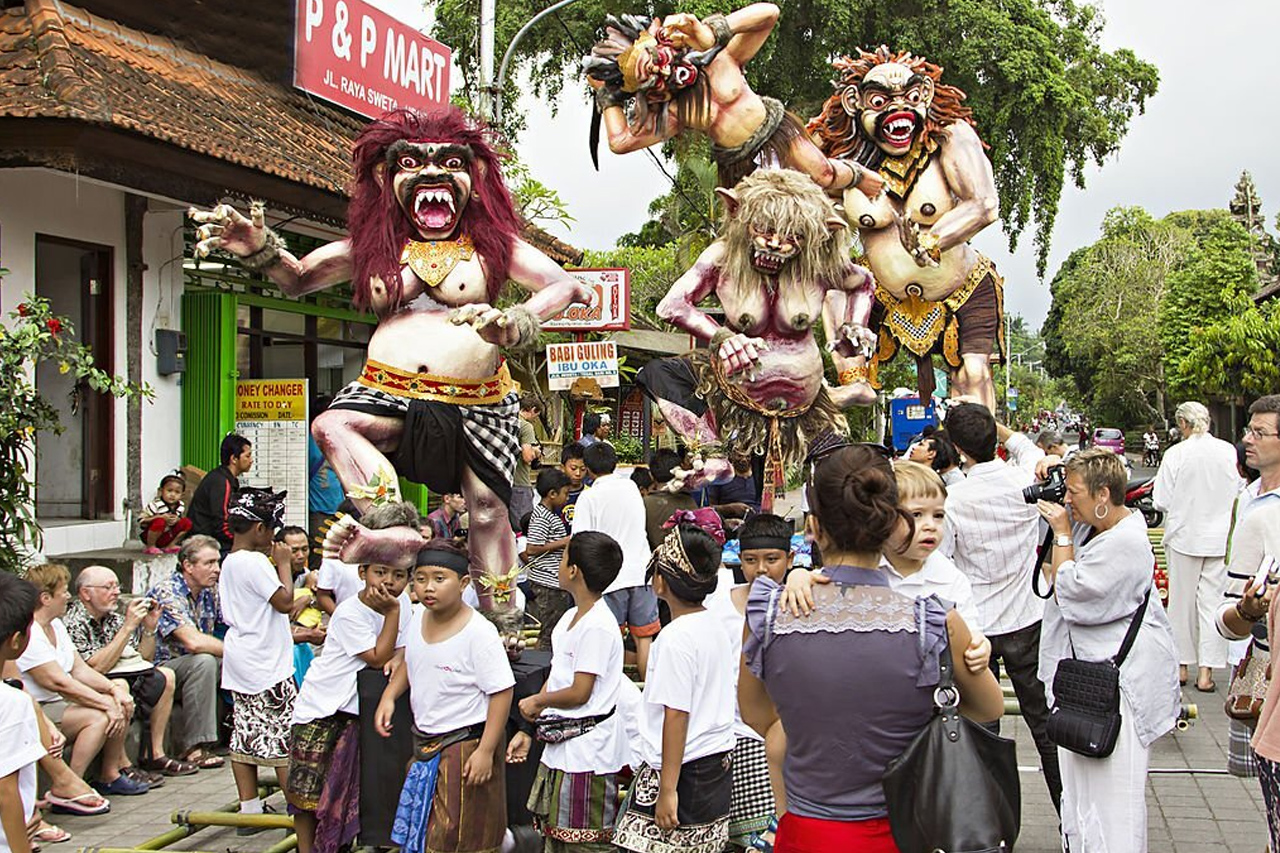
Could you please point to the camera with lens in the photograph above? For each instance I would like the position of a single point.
(1052, 489)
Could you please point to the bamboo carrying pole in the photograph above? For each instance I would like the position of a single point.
(290, 842)
(219, 818)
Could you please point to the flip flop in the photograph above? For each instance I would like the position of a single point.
(77, 805)
(206, 761)
(50, 834)
(1211, 688)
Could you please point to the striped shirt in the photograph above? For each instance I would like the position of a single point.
(1242, 558)
(545, 526)
(992, 535)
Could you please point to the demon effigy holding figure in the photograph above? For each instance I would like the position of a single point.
(434, 236)
(934, 292)
(780, 267)
(655, 78)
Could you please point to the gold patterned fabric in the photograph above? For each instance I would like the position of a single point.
(901, 173)
(441, 389)
(432, 261)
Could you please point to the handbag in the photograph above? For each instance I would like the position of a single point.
(955, 787)
(1085, 717)
(1248, 686)
(561, 729)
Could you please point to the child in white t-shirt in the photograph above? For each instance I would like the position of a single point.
(19, 727)
(574, 798)
(257, 656)
(687, 712)
(324, 753)
(919, 569)
(460, 686)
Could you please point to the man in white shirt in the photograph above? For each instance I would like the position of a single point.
(613, 505)
(1196, 486)
(993, 535)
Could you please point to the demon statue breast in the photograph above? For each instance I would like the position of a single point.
(934, 292)
(434, 236)
(781, 266)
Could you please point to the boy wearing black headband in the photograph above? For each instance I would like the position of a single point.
(257, 656)
(460, 686)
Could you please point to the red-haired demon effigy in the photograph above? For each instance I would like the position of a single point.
(434, 235)
(934, 292)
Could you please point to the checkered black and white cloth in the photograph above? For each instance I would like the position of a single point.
(752, 802)
(492, 430)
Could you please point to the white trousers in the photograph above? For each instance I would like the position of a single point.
(1104, 803)
(1196, 585)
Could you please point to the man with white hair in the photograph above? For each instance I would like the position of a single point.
(1195, 487)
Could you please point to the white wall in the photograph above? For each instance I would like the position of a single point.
(41, 201)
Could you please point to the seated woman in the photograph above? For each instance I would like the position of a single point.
(810, 673)
(1101, 571)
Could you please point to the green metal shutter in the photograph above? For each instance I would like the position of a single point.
(209, 384)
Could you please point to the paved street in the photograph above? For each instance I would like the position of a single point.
(1189, 813)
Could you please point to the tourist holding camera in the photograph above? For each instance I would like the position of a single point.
(993, 534)
(1101, 572)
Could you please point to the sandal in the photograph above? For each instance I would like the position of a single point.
(79, 805)
(167, 766)
(50, 834)
(202, 759)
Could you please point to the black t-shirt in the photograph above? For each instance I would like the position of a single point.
(208, 510)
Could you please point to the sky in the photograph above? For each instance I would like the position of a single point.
(1214, 115)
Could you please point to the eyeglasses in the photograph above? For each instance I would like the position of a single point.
(1257, 433)
(112, 585)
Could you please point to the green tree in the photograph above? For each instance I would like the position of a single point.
(1049, 99)
(1236, 356)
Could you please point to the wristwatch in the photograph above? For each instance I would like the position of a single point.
(1062, 540)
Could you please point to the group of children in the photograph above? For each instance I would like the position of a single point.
(696, 778)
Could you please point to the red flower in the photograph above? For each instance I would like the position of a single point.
(23, 310)
(54, 325)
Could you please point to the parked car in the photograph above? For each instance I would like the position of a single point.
(1111, 439)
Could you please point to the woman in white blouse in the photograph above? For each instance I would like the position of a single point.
(1101, 571)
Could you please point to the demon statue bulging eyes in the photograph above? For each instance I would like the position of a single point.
(891, 106)
(432, 183)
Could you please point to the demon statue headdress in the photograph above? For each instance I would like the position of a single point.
(781, 266)
(434, 236)
(657, 77)
(934, 292)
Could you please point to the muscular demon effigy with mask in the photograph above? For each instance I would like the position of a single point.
(781, 266)
(655, 78)
(934, 292)
(434, 236)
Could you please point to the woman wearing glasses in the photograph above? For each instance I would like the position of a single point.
(860, 632)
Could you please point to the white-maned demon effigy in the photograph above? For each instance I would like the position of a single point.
(780, 266)
(655, 78)
(434, 236)
(934, 292)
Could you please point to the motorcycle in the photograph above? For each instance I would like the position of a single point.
(1137, 496)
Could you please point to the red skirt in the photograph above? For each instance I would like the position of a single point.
(811, 835)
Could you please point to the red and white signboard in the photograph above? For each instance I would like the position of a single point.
(596, 360)
(358, 57)
(610, 308)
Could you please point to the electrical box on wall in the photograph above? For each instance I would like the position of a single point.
(171, 352)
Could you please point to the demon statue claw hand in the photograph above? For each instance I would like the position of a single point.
(934, 292)
(781, 266)
(434, 236)
(655, 78)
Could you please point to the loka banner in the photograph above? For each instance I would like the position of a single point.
(358, 57)
(610, 308)
(597, 360)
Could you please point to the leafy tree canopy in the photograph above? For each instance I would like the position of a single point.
(1048, 98)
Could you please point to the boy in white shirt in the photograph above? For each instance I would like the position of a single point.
(324, 750)
(257, 657)
(460, 686)
(19, 728)
(574, 798)
(680, 797)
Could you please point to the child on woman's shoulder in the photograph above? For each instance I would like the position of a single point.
(574, 800)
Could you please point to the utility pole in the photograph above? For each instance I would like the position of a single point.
(488, 94)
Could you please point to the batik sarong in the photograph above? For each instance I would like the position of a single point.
(324, 777)
(260, 725)
(704, 794)
(440, 814)
(575, 808)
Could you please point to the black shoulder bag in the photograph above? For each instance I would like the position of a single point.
(955, 787)
(1085, 717)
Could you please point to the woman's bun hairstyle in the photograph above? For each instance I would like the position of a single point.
(855, 498)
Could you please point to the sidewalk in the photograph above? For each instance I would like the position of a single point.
(1188, 813)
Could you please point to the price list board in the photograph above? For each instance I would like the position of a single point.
(272, 414)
